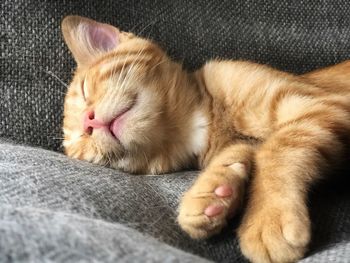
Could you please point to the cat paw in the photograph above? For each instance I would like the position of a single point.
(205, 209)
(204, 214)
(275, 235)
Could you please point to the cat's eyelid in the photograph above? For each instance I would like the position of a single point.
(84, 88)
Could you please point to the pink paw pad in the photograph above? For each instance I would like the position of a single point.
(213, 210)
(224, 191)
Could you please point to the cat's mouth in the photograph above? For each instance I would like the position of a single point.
(116, 125)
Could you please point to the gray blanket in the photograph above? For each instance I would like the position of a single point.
(53, 209)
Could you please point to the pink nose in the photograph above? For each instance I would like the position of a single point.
(90, 123)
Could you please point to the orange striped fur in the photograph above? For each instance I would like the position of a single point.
(236, 120)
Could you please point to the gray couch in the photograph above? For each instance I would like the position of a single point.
(54, 209)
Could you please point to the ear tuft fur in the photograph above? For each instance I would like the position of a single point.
(87, 39)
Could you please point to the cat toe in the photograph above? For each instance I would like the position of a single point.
(204, 214)
(213, 210)
(223, 191)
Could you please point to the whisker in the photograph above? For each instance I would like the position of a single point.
(146, 159)
(56, 77)
(122, 70)
(147, 26)
(153, 22)
(161, 62)
(115, 69)
(128, 75)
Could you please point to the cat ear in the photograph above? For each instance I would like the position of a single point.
(87, 39)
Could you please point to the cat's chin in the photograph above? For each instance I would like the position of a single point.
(107, 141)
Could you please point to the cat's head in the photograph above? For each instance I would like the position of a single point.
(116, 110)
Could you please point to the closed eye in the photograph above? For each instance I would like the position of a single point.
(83, 88)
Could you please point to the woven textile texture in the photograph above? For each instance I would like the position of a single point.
(52, 207)
(35, 65)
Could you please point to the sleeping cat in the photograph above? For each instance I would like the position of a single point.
(130, 107)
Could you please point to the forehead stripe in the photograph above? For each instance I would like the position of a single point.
(112, 68)
(121, 54)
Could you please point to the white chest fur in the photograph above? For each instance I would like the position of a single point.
(199, 133)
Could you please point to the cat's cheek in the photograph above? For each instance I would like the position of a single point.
(142, 134)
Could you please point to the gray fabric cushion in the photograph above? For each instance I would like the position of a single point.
(339, 253)
(56, 208)
(43, 183)
(29, 234)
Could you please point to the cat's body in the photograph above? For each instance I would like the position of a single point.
(129, 106)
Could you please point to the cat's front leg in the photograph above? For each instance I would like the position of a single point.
(217, 193)
(276, 226)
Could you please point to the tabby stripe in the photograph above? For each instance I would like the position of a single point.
(117, 67)
(285, 137)
(122, 53)
(306, 138)
(275, 101)
(314, 115)
(281, 94)
(120, 60)
(338, 104)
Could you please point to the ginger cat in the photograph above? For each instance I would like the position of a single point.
(130, 107)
